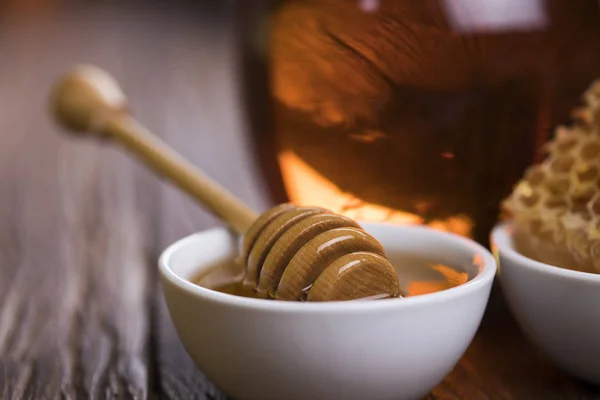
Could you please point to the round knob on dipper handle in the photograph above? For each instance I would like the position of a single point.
(84, 98)
(89, 100)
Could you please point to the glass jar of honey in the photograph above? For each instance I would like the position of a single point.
(419, 112)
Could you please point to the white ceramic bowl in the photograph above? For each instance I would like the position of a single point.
(382, 349)
(558, 309)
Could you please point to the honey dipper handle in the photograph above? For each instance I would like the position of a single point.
(186, 176)
(88, 100)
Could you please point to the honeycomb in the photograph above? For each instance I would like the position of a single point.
(555, 207)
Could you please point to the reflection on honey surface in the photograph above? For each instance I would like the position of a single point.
(451, 278)
(417, 278)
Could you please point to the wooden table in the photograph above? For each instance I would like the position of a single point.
(82, 224)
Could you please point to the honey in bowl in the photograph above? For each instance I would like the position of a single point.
(417, 277)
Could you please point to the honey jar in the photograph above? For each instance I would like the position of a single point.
(412, 112)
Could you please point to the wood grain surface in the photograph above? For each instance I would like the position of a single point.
(81, 223)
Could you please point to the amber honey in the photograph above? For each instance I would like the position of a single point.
(417, 277)
(236, 288)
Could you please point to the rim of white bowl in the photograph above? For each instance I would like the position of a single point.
(484, 277)
(502, 239)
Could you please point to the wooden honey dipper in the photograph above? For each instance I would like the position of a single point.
(290, 252)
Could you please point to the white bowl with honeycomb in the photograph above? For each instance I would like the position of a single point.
(549, 248)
